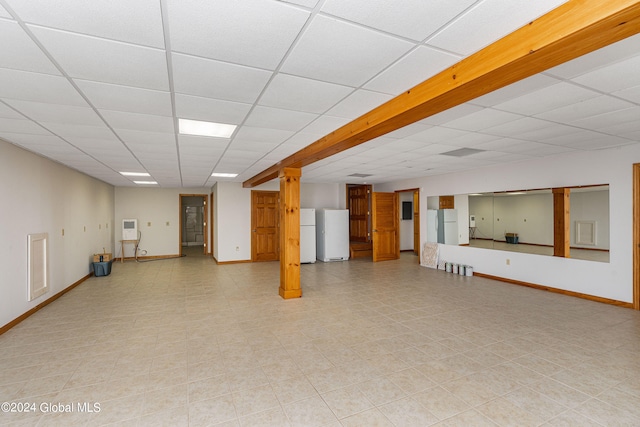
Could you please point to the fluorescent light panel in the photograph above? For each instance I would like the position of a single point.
(134, 174)
(224, 175)
(200, 128)
(145, 182)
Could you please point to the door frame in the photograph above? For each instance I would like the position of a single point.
(211, 227)
(204, 217)
(636, 236)
(348, 203)
(396, 222)
(416, 217)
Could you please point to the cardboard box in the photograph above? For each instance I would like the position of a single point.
(105, 257)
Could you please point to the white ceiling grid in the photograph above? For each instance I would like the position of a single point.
(99, 86)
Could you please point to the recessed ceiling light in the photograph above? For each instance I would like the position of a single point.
(200, 128)
(145, 182)
(134, 173)
(224, 175)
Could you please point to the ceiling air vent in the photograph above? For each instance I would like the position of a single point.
(360, 175)
(462, 152)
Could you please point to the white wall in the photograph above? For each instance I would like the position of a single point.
(614, 167)
(232, 206)
(156, 206)
(41, 196)
(528, 215)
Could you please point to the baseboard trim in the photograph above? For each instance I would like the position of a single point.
(151, 257)
(44, 303)
(240, 261)
(557, 291)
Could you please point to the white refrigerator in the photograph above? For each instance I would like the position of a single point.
(332, 234)
(442, 226)
(307, 236)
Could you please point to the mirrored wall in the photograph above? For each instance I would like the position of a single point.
(522, 221)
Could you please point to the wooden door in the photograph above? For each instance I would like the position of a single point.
(416, 222)
(359, 199)
(386, 245)
(265, 230)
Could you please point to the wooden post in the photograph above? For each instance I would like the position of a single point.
(561, 223)
(290, 233)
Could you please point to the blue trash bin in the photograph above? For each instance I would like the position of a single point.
(102, 268)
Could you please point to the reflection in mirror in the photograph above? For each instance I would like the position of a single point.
(522, 221)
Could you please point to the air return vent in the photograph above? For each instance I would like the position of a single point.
(37, 265)
(462, 152)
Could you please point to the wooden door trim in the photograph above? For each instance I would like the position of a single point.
(636, 236)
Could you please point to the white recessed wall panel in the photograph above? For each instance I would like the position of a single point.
(343, 53)
(414, 68)
(126, 98)
(301, 94)
(137, 21)
(212, 110)
(489, 21)
(107, 61)
(216, 79)
(414, 19)
(38, 87)
(145, 122)
(19, 52)
(57, 113)
(249, 32)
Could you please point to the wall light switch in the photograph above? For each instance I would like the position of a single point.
(99, 226)
(85, 228)
(167, 223)
(149, 224)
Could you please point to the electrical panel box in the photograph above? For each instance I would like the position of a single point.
(129, 229)
(472, 221)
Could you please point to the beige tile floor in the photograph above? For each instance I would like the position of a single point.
(188, 343)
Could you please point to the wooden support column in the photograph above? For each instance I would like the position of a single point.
(561, 223)
(290, 233)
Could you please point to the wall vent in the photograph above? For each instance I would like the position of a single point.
(585, 233)
(37, 265)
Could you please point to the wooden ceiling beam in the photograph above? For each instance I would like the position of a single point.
(567, 32)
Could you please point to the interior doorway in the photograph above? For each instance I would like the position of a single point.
(193, 224)
(265, 225)
(409, 220)
(359, 205)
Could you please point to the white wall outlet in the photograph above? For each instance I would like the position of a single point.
(508, 261)
(237, 248)
(149, 224)
(167, 223)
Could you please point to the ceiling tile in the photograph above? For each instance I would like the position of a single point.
(306, 3)
(301, 94)
(38, 87)
(451, 114)
(325, 124)
(4, 13)
(632, 94)
(358, 103)
(202, 77)
(145, 137)
(343, 53)
(415, 19)
(518, 127)
(9, 113)
(276, 118)
(414, 68)
(482, 119)
(212, 110)
(146, 122)
(80, 131)
(57, 113)
(42, 140)
(609, 119)
(489, 21)
(137, 21)
(585, 109)
(248, 32)
(22, 53)
(21, 126)
(125, 98)
(548, 98)
(619, 76)
(616, 52)
(106, 61)
(515, 90)
(262, 134)
(436, 134)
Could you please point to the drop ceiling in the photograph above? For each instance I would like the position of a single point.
(99, 86)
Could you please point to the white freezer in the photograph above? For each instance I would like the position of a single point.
(307, 236)
(332, 234)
